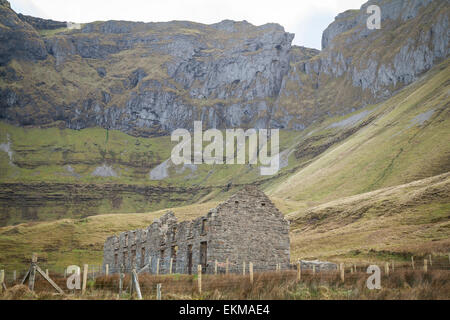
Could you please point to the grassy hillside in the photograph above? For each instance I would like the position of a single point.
(70, 241)
(45, 154)
(389, 223)
(399, 141)
(55, 173)
(345, 75)
(39, 154)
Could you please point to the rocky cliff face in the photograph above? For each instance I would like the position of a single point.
(150, 78)
(42, 24)
(18, 39)
(417, 32)
(358, 66)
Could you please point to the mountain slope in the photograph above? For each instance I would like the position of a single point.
(148, 79)
(395, 223)
(123, 86)
(85, 116)
(396, 142)
(54, 173)
(358, 67)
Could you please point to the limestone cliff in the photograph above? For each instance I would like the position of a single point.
(358, 66)
(18, 39)
(149, 78)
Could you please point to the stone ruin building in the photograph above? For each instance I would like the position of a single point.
(245, 228)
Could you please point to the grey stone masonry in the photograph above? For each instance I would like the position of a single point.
(245, 228)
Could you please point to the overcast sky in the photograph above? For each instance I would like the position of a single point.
(306, 18)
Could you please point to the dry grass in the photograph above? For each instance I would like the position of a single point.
(396, 222)
(71, 241)
(411, 219)
(391, 150)
(402, 284)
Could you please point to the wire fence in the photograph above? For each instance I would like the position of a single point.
(232, 280)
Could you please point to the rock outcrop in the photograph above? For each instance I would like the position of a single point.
(42, 24)
(18, 39)
(421, 37)
(226, 74)
(151, 78)
(358, 66)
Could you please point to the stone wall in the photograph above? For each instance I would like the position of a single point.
(248, 227)
(245, 228)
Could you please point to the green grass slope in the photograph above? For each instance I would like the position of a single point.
(399, 141)
(75, 241)
(392, 223)
(56, 173)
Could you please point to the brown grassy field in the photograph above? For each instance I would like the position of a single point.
(404, 283)
(388, 224)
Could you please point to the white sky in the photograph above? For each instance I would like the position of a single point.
(306, 18)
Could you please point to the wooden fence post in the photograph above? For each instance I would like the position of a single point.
(431, 261)
(32, 278)
(138, 287)
(199, 278)
(314, 270)
(2, 279)
(425, 265)
(32, 272)
(158, 291)
(131, 286)
(215, 267)
(355, 268)
(243, 268)
(250, 269)
(386, 268)
(150, 269)
(135, 284)
(342, 268)
(14, 275)
(412, 262)
(107, 270)
(54, 285)
(227, 266)
(299, 271)
(121, 276)
(170, 266)
(157, 266)
(85, 274)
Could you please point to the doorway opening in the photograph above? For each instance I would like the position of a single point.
(204, 255)
(189, 258)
